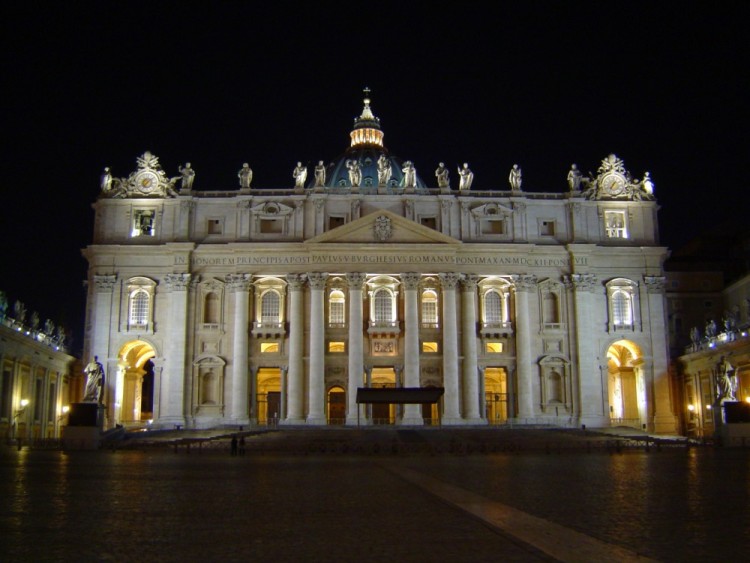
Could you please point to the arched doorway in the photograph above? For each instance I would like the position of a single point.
(269, 396)
(496, 395)
(626, 387)
(134, 385)
(336, 405)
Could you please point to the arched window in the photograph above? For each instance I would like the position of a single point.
(139, 307)
(493, 310)
(429, 308)
(211, 308)
(622, 310)
(383, 309)
(336, 308)
(269, 307)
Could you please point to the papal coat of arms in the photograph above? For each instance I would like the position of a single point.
(383, 230)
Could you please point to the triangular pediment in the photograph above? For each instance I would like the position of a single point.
(383, 227)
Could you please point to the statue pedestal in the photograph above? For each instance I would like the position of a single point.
(84, 429)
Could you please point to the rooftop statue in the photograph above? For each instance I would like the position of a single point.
(299, 175)
(187, 175)
(3, 303)
(574, 178)
(441, 173)
(19, 310)
(384, 170)
(94, 381)
(106, 180)
(410, 174)
(355, 174)
(515, 178)
(34, 320)
(245, 175)
(320, 175)
(648, 185)
(466, 177)
(49, 327)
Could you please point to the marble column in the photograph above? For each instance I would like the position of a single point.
(173, 378)
(659, 394)
(451, 408)
(355, 346)
(591, 391)
(469, 342)
(240, 285)
(524, 287)
(412, 413)
(295, 375)
(101, 322)
(316, 383)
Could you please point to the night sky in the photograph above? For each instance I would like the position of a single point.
(543, 84)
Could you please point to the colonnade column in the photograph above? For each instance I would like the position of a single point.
(469, 341)
(590, 386)
(316, 397)
(173, 378)
(451, 411)
(412, 413)
(661, 397)
(296, 372)
(100, 311)
(524, 286)
(239, 284)
(355, 345)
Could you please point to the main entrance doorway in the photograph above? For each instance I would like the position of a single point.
(383, 377)
(134, 384)
(336, 405)
(496, 395)
(269, 395)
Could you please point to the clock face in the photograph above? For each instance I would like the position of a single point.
(146, 182)
(612, 184)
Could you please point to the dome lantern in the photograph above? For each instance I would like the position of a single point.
(366, 130)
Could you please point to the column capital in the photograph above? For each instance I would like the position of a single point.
(411, 280)
(524, 282)
(177, 282)
(654, 284)
(581, 282)
(295, 281)
(356, 280)
(449, 280)
(317, 280)
(239, 282)
(104, 282)
(469, 282)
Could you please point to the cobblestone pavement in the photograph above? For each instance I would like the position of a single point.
(673, 504)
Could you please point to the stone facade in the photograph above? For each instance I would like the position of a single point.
(263, 306)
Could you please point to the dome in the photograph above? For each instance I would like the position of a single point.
(366, 149)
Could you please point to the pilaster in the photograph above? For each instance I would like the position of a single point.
(295, 375)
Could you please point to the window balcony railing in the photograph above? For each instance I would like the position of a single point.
(496, 328)
(383, 327)
(268, 329)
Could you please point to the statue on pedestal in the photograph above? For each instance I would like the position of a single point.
(320, 175)
(106, 180)
(94, 381)
(726, 382)
(574, 178)
(355, 174)
(515, 179)
(441, 173)
(466, 177)
(410, 174)
(299, 175)
(384, 170)
(188, 176)
(246, 176)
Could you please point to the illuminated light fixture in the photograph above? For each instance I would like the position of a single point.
(747, 399)
(708, 407)
(65, 409)
(24, 403)
(712, 345)
(691, 408)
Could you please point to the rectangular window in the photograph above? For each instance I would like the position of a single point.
(334, 222)
(51, 403)
(143, 223)
(38, 390)
(615, 224)
(429, 222)
(5, 396)
(493, 227)
(430, 347)
(271, 226)
(493, 347)
(215, 227)
(547, 228)
(336, 347)
(337, 314)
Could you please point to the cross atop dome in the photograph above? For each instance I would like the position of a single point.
(366, 127)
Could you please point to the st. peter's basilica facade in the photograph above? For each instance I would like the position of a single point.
(274, 305)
